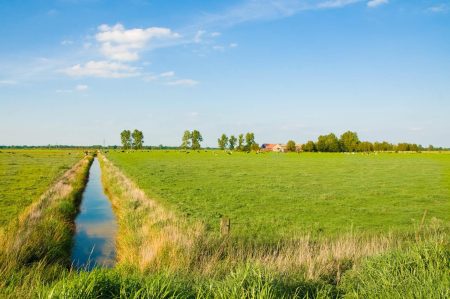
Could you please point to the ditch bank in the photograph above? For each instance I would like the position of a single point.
(43, 232)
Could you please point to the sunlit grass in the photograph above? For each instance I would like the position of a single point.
(26, 174)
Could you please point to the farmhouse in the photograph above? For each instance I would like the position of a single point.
(278, 147)
(273, 147)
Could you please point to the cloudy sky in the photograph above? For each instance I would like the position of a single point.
(80, 71)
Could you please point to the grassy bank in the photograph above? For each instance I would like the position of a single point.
(42, 234)
(26, 174)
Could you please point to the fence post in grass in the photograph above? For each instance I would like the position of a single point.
(225, 225)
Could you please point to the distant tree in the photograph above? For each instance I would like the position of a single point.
(249, 141)
(290, 146)
(309, 146)
(138, 139)
(402, 147)
(365, 146)
(431, 148)
(232, 142)
(196, 138)
(240, 142)
(125, 137)
(328, 143)
(186, 140)
(223, 142)
(349, 141)
(254, 147)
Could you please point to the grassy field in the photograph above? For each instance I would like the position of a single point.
(299, 208)
(26, 174)
(272, 196)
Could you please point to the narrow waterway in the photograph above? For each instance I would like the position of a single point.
(96, 226)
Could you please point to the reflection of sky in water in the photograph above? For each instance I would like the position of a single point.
(96, 227)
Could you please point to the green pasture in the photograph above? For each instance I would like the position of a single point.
(26, 174)
(270, 196)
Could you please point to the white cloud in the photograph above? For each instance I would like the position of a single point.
(198, 36)
(255, 10)
(66, 42)
(215, 34)
(439, 8)
(233, 45)
(219, 48)
(118, 43)
(335, 3)
(102, 69)
(81, 87)
(167, 74)
(8, 82)
(375, 3)
(183, 82)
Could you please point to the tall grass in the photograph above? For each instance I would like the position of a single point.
(42, 235)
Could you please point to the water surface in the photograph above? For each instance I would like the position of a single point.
(96, 226)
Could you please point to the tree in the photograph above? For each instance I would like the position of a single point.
(241, 142)
(125, 138)
(365, 146)
(232, 142)
(223, 142)
(138, 139)
(328, 143)
(186, 140)
(196, 138)
(310, 146)
(290, 146)
(254, 147)
(249, 141)
(349, 141)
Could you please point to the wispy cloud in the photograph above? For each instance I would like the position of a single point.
(118, 43)
(82, 87)
(102, 69)
(183, 82)
(375, 3)
(8, 82)
(256, 10)
(439, 8)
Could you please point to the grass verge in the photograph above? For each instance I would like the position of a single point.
(42, 234)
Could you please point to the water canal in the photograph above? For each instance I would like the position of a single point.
(96, 226)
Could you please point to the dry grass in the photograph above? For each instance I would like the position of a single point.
(149, 235)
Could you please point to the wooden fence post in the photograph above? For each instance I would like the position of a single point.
(225, 225)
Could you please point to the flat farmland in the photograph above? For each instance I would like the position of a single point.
(272, 196)
(26, 174)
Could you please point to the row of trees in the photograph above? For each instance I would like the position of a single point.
(349, 142)
(242, 143)
(191, 140)
(133, 139)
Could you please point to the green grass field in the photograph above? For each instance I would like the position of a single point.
(271, 196)
(26, 174)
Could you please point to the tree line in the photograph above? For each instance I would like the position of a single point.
(349, 142)
(134, 140)
(241, 143)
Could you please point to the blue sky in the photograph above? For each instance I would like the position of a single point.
(80, 71)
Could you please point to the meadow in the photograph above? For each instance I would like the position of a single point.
(302, 226)
(273, 196)
(26, 174)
